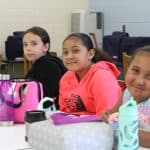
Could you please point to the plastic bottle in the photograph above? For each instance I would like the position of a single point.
(30, 117)
(6, 101)
(128, 126)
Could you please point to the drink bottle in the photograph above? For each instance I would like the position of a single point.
(6, 101)
(128, 126)
(31, 117)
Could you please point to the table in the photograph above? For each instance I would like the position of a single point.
(13, 138)
(44, 135)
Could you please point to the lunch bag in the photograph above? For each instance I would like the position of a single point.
(27, 95)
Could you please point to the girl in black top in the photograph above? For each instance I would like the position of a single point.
(46, 68)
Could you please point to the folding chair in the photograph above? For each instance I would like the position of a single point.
(126, 61)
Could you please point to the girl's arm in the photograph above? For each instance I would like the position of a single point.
(118, 104)
(106, 90)
(107, 113)
(144, 138)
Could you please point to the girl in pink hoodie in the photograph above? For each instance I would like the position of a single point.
(90, 85)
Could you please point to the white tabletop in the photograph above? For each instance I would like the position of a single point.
(13, 138)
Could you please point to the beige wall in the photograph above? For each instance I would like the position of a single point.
(53, 15)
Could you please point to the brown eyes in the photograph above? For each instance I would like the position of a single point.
(73, 51)
(137, 72)
(147, 76)
(32, 44)
(24, 45)
(64, 53)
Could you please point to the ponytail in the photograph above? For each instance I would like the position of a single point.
(101, 55)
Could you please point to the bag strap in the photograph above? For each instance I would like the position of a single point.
(21, 89)
(39, 91)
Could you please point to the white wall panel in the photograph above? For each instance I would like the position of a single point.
(135, 14)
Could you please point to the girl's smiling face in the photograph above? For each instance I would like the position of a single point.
(138, 76)
(76, 57)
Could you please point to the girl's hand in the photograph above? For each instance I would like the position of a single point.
(105, 115)
(113, 117)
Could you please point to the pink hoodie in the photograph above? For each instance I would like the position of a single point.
(97, 91)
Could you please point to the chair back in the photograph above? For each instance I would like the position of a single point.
(126, 61)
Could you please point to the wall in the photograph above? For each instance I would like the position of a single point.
(53, 15)
(135, 14)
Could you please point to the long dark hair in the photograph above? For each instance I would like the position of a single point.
(87, 42)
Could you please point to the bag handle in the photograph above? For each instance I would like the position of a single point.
(21, 89)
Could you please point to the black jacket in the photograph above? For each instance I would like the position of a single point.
(48, 70)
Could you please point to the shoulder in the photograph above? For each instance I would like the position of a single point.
(104, 70)
(47, 61)
(68, 75)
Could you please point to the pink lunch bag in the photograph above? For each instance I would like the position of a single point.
(27, 95)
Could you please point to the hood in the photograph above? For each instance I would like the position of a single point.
(107, 66)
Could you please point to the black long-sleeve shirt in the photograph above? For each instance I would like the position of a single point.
(48, 70)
